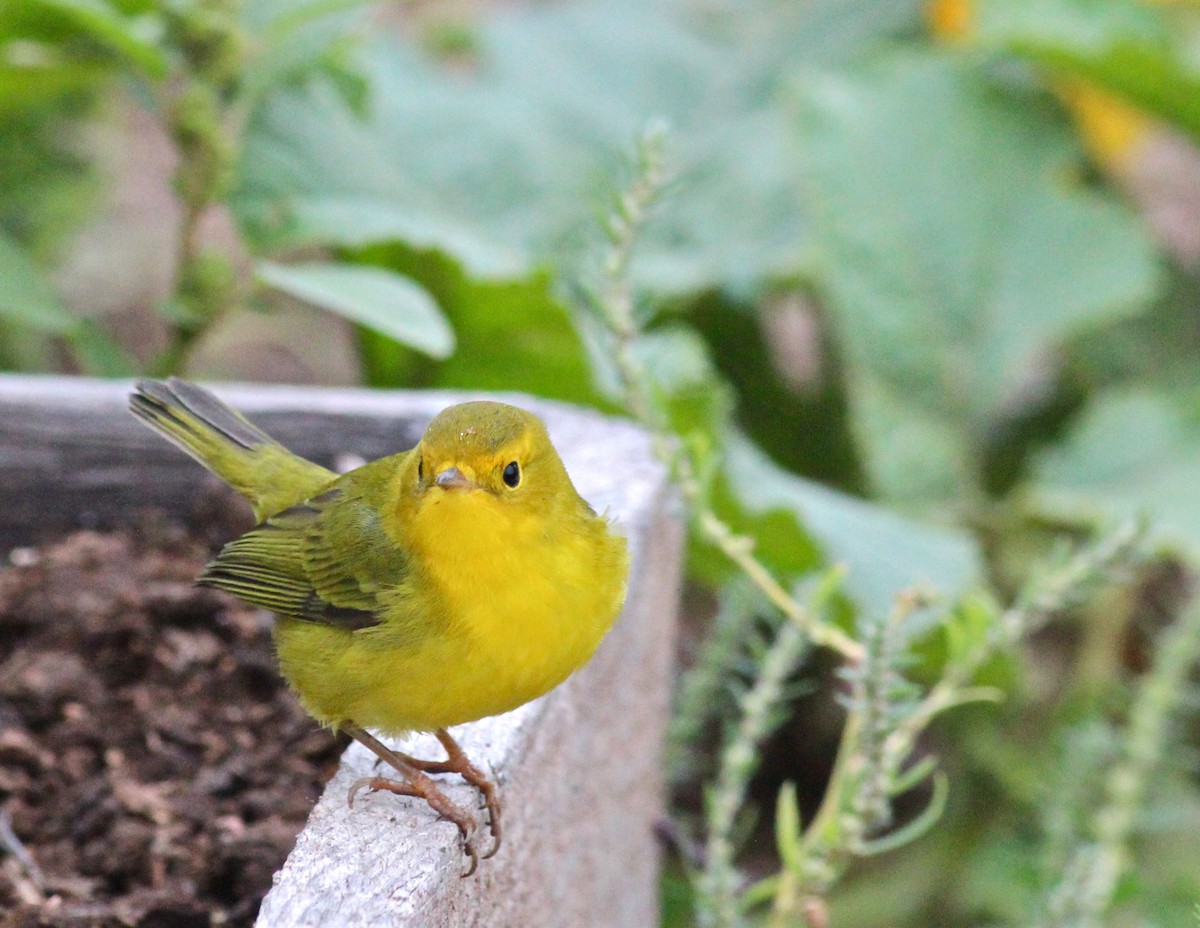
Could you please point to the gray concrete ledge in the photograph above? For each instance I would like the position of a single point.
(579, 770)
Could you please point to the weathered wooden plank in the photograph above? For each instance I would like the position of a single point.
(579, 768)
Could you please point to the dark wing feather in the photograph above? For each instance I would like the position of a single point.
(324, 560)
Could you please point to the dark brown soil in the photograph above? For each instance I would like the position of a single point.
(154, 770)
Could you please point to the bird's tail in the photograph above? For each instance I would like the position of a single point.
(240, 453)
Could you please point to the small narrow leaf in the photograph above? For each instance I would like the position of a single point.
(762, 892)
(918, 826)
(787, 827)
(914, 774)
(371, 296)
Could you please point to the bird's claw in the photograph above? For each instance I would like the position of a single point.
(463, 821)
(491, 802)
(357, 786)
(469, 850)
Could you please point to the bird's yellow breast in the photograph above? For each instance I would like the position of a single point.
(502, 606)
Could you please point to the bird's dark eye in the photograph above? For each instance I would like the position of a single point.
(512, 474)
(420, 469)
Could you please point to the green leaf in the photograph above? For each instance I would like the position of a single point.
(1143, 53)
(26, 296)
(28, 300)
(22, 349)
(294, 39)
(99, 355)
(134, 38)
(517, 336)
(354, 222)
(500, 162)
(956, 257)
(1133, 453)
(374, 297)
(884, 552)
(512, 334)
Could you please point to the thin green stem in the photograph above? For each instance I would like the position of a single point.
(740, 550)
(617, 307)
(800, 886)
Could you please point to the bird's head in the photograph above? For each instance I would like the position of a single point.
(482, 489)
(488, 448)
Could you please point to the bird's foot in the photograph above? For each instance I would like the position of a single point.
(424, 788)
(457, 762)
(417, 783)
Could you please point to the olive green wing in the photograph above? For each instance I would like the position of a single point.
(325, 560)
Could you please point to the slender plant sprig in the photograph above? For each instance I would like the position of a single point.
(867, 775)
(1077, 577)
(206, 102)
(1093, 869)
(199, 102)
(700, 695)
(886, 718)
(880, 698)
(1068, 583)
(615, 305)
(719, 885)
(616, 301)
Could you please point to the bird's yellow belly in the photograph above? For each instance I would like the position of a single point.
(506, 624)
(506, 654)
(502, 651)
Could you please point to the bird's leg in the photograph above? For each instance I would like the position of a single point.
(415, 783)
(456, 762)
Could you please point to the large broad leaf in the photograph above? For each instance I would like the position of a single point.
(499, 164)
(884, 553)
(956, 254)
(1142, 53)
(1134, 453)
(26, 296)
(374, 297)
(291, 39)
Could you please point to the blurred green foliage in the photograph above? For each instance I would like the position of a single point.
(884, 267)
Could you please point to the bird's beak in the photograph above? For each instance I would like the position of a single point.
(453, 478)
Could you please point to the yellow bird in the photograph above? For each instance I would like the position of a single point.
(437, 586)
